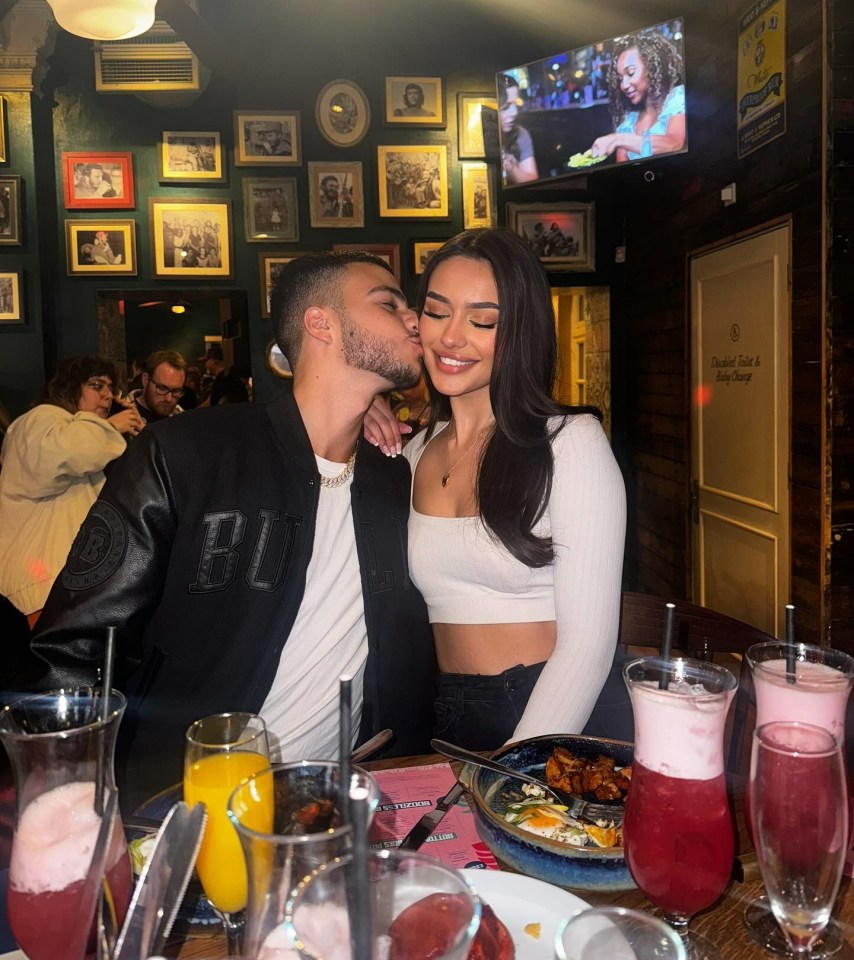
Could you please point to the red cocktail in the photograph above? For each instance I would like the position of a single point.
(678, 834)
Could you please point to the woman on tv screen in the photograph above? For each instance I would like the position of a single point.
(517, 147)
(647, 95)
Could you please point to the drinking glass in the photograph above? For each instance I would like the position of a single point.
(678, 833)
(287, 819)
(798, 802)
(220, 752)
(616, 933)
(819, 695)
(59, 746)
(418, 906)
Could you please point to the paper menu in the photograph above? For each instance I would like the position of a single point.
(407, 793)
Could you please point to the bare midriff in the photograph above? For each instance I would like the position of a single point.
(491, 648)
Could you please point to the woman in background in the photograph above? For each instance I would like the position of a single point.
(646, 86)
(517, 524)
(53, 461)
(517, 147)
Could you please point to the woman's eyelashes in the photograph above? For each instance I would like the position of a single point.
(489, 325)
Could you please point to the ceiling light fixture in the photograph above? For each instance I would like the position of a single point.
(104, 19)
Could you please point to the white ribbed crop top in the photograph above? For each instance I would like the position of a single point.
(468, 576)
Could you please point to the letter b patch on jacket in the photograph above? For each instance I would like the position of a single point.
(219, 559)
(98, 548)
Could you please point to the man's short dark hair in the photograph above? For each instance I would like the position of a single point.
(418, 88)
(326, 180)
(172, 357)
(313, 280)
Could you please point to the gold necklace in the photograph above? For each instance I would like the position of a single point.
(446, 479)
(343, 477)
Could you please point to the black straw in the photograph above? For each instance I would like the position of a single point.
(106, 691)
(359, 888)
(666, 643)
(345, 746)
(791, 675)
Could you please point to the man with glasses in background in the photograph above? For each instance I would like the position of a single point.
(162, 386)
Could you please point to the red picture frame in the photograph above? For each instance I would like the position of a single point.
(97, 180)
(390, 252)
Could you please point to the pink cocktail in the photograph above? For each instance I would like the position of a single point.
(678, 833)
(54, 840)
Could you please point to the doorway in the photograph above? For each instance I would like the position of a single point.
(740, 336)
(583, 319)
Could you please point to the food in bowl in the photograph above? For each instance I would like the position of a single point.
(584, 776)
(541, 815)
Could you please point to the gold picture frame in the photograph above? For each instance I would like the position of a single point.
(422, 250)
(413, 181)
(191, 239)
(4, 155)
(343, 206)
(267, 138)
(100, 248)
(11, 300)
(189, 156)
(469, 124)
(269, 265)
(478, 196)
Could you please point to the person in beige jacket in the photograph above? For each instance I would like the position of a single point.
(53, 461)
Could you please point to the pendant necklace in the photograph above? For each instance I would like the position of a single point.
(343, 477)
(446, 479)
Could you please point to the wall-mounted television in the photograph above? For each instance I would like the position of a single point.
(616, 101)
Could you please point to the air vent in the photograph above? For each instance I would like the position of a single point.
(157, 60)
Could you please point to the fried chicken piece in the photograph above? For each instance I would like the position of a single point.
(565, 771)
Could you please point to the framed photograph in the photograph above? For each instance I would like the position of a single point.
(4, 156)
(190, 238)
(414, 101)
(97, 181)
(11, 304)
(267, 139)
(270, 209)
(336, 195)
(478, 196)
(469, 127)
(343, 113)
(422, 250)
(189, 156)
(277, 362)
(413, 181)
(10, 210)
(100, 247)
(390, 252)
(269, 267)
(561, 234)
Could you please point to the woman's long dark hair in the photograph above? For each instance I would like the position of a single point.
(515, 473)
(664, 68)
(510, 139)
(65, 386)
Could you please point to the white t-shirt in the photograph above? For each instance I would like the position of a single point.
(328, 639)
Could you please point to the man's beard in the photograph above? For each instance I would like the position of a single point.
(367, 351)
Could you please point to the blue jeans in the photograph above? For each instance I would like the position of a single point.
(480, 712)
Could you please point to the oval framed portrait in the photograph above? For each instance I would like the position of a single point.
(277, 362)
(343, 113)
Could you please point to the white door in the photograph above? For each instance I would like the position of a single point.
(740, 335)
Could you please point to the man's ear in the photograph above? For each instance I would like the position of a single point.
(317, 324)
(145, 378)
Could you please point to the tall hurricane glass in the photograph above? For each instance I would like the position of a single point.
(678, 832)
(60, 744)
(220, 752)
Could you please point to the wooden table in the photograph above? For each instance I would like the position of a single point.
(722, 924)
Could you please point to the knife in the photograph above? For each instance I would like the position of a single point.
(428, 823)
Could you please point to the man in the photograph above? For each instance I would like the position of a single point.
(162, 386)
(224, 387)
(102, 252)
(93, 183)
(250, 555)
(413, 102)
(332, 202)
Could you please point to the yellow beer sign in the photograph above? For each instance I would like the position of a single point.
(761, 75)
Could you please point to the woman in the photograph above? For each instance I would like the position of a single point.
(518, 507)
(517, 147)
(53, 461)
(647, 95)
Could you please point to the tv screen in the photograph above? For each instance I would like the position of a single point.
(617, 101)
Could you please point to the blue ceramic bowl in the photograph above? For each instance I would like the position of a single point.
(582, 868)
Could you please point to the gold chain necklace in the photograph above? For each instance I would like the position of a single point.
(446, 479)
(343, 477)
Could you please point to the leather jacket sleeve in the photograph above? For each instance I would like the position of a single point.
(114, 573)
